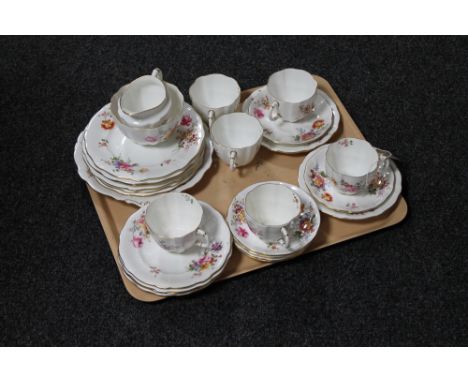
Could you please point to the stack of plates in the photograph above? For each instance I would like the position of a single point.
(304, 229)
(378, 199)
(294, 137)
(155, 270)
(116, 166)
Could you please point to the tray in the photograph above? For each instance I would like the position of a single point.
(220, 185)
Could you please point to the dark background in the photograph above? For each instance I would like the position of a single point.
(407, 285)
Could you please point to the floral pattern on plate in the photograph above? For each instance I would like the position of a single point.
(120, 165)
(91, 179)
(208, 260)
(107, 121)
(279, 131)
(323, 189)
(303, 229)
(113, 153)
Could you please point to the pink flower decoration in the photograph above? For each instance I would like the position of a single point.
(242, 232)
(216, 246)
(258, 113)
(186, 120)
(151, 139)
(137, 241)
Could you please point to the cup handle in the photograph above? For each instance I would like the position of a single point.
(232, 160)
(382, 166)
(157, 73)
(274, 113)
(285, 240)
(211, 118)
(204, 236)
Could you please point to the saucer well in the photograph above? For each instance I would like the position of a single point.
(303, 233)
(120, 157)
(300, 148)
(162, 271)
(279, 131)
(324, 191)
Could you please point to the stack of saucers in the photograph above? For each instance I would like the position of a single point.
(117, 166)
(174, 246)
(273, 221)
(349, 180)
(295, 115)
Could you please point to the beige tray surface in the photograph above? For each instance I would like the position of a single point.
(220, 185)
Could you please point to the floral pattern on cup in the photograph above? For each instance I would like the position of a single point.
(238, 219)
(348, 187)
(321, 181)
(302, 227)
(307, 108)
(154, 138)
(140, 231)
(208, 260)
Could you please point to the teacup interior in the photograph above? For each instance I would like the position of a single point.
(272, 204)
(215, 90)
(173, 215)
(292, 85)
(236, 130)
(144, 93)
(352, 157)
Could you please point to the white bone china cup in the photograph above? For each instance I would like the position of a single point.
(174, 220)
(144, 96)
(270, 209)
(214, 95)
(236, 138)
(352, 164)
(293, 91)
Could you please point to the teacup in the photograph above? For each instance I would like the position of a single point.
(214, 95)
(352, 164)
(174, 220)
(293, 91)
(270, 209)
(237, 138)
(144, 96)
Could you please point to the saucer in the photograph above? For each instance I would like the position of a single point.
(324, 192)
(266, 258)
(300, 148)
(175, 178)
(118, 156)
(162, 271)
(387, 204)
(169, 292)
(85, 173)
(301, 132)
(302, 236)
